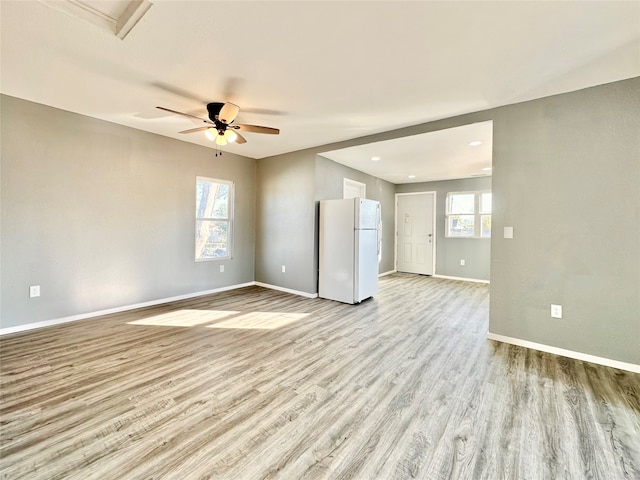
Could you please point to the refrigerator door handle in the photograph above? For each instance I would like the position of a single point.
(379, 230)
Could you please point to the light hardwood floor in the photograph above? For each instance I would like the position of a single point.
(258, 384)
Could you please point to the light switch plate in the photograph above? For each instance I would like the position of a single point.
(508, 232)
(34, 291)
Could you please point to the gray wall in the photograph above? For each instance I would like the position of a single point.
(102, 216)
(475, 251)
(285, 222)
(289, 190)
(566, 176)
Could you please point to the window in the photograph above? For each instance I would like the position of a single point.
(468, 214)
(485, 214)
(214, 223)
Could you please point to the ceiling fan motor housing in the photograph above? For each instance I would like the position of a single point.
(214, 109)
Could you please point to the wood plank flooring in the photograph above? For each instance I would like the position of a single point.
(258, 384)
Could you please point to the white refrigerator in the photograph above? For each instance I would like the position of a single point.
(349, 249)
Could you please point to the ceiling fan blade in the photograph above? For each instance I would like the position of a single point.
(240, 138)
(257, 129)
(228, 113)
(178, 91)
(184, 114)
(263, 111)
(194, 130)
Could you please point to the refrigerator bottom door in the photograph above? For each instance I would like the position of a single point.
(336, 249)
(366, 268)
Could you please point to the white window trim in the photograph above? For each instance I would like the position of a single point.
(477, 222)
(230, 218)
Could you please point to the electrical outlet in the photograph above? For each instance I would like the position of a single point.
(556, 311)
(34, 291)
(221, 268)
(284, 269)
(462, 262)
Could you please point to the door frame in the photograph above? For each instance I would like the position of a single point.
(347, 183)
(434, 224)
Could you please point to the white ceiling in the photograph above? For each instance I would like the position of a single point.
(441, 155)
(321, 71)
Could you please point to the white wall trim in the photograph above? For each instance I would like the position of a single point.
(585, 357)
(287, 290)
(384, 274)
(98, 313)
(108, 311)
(464, 279)
(349, 186)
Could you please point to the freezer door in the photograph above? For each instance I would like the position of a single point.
(367, 213)
(366, 268)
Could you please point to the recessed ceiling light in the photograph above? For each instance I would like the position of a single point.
(375, 159)
(412, 176)
(487, 169)
(475, 143)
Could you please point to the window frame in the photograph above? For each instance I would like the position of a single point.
(478, 214)
(229, 218)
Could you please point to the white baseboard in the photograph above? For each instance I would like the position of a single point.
(84, 316)
(463, 279)
(607, 362)
(287, 290)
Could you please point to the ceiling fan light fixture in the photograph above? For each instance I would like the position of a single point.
(211, 133)
(221, 140)
(230, 136)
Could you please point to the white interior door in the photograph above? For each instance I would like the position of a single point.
(415, 233)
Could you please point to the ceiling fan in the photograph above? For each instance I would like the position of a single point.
(219, 126)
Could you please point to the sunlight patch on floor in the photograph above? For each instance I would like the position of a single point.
(260, 320)
(222, 319)
(184, 318)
